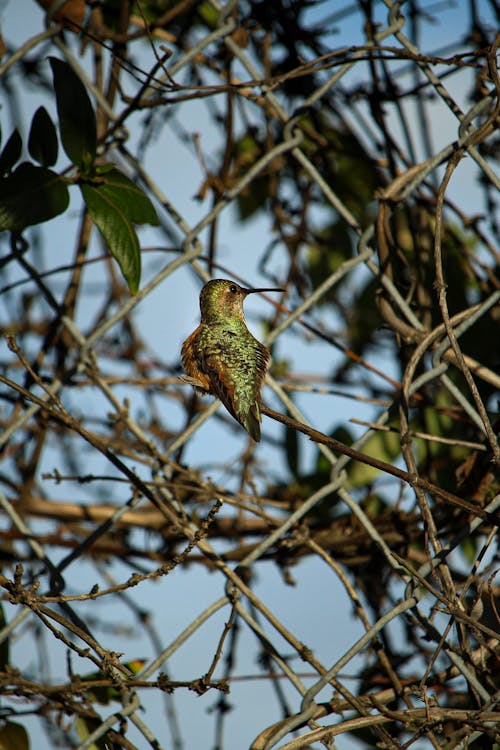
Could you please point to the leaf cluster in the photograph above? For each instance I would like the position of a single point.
(33, 193)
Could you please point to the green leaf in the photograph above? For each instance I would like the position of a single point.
(115, 202)
(42, 141)
(13, 736)
(76, 116)
(31, 195)
(118, 232)
(11, 152)
(126, 195)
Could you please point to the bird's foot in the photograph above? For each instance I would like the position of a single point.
(194, 382)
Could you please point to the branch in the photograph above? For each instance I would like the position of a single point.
(405, 476)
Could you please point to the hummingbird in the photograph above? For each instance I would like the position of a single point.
(222, 357)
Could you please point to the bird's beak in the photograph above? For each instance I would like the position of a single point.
(254, 291)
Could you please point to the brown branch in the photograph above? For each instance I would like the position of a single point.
(405, 476)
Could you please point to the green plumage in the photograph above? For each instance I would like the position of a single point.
(223, 357)
(235, 363)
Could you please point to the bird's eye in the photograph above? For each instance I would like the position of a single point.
(233, 289)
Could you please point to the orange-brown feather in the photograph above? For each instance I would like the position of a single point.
(190, 361)
(221, 383)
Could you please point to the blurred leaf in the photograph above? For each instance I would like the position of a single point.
(323, 465)
(135, 665)
(13, 737)
(332, 246)
(31, 195)
(208, 13)
(84, 728)
(71, 13)
(195, 14)
(363, 317)
(363, 735)
(437, 421)
(11, 152)
(104, 168)
(76, 116)
(373, 505)
(469, 548)
(292, 450)
(4, 646)
(42, 141)
(253, 198)
(246, 151)
(280, 368)
(350, 169)
(105, 694)
(385, 446)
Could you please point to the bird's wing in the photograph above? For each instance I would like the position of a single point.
(238, 385)
(222, 376)
(190, 363)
